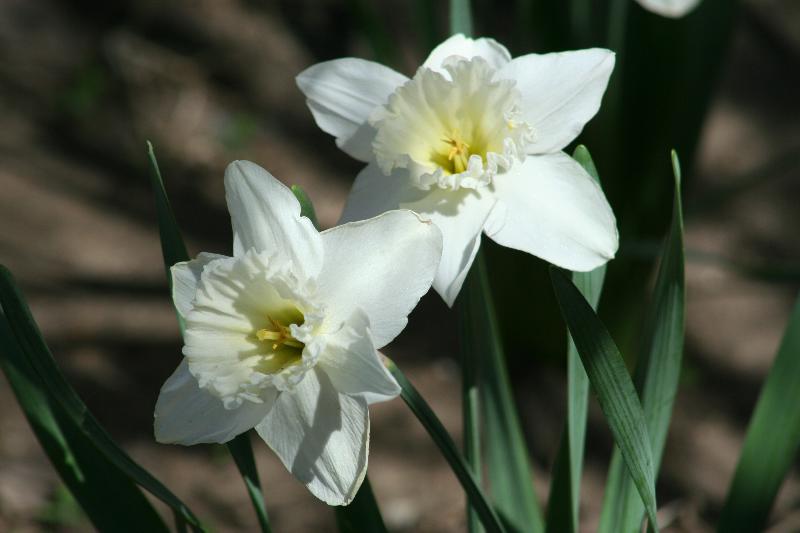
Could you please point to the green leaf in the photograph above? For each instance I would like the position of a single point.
(564, 502)
(657, 372)
(442, 439)
(174, 251)
(362, 515)
(508, 467)
(460, 17)
(241, 450)
(772, 441)
(60, 417)
(306, 207)
(612, 385)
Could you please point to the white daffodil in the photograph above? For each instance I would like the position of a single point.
(669, 8)
(282, 336)
(474, 143)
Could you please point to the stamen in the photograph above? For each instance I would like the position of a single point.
(280, 334)
(459, 152)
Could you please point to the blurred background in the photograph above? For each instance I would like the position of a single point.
(83, 84)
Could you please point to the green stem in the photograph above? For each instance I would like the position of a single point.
(242, 453)
(460, 17)
(442, 439)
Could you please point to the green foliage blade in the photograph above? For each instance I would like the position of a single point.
(657, 372)
(772, 441)
(174, 251)
(564, 501)
(442, 439)
(362, 515)
(612, 385)
(74, 417)
(506, 454)
(306, 207)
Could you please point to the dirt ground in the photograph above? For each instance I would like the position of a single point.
(209, 82)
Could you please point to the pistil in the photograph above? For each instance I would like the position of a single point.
(280, 334)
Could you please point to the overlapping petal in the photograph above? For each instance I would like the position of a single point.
(495, 54)
(382, 265)
(560, 92)
(266, 217)
(321, 436)
(460, 215)
(354, 365)
(186, 414)
(551, 208)
(342, 94)
(185, 277)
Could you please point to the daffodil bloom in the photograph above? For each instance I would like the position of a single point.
(669, 8)
(474, 143)
(283, 336)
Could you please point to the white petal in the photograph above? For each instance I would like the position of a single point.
(493, 52)
(669, 8)
(382, 265)
(354, 365)
(186, 414)
(185, 277)
(343, 93)
(374, 193)
(551, 208)
(266, 216)
(321, 436)
(460, 215)
(560, 93)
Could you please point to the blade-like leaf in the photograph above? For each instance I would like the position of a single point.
(611, 384)
(60, 392)
(657, 373)
(362, 515)
(772, 441)
(506, 454)
(442, 439)
(564, 502)
(306, 207)
(174, 251)
(106, 494)
(472, 347)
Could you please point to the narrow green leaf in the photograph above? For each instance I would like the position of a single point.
(657, 372)
(241, 450)
(362, 515)
(60, 393)
(508, 467)
(442, 439)
(172, 246)
(174, 251)
(108, 497)
(306, 207)
(470, 306)
(460, 17)
(564, 502)
(612, 385)
(772, 441)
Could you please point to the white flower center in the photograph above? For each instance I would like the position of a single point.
(253, 326)
(456, 132)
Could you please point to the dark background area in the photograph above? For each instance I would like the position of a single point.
(83, 84)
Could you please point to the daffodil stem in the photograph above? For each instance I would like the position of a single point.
(460, 17)
(442, 439)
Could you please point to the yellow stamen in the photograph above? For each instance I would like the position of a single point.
(459, 152)
(280, 334)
